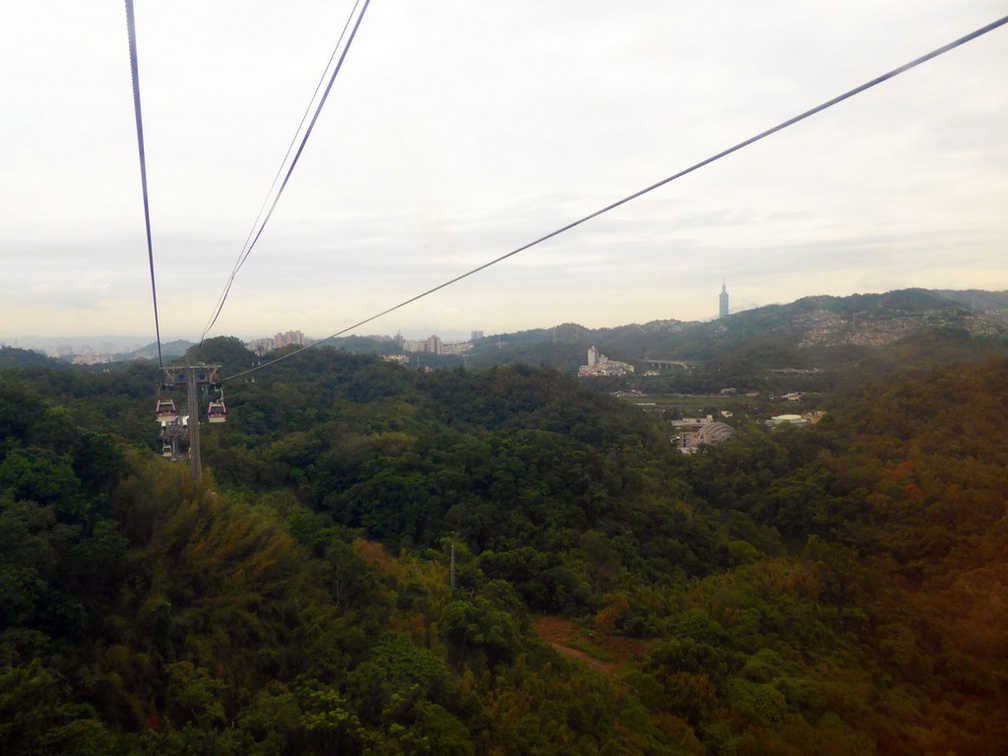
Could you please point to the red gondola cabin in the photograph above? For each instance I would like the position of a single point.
(165, 411)
(217, 412)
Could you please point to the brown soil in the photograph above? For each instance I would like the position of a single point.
(559, 633)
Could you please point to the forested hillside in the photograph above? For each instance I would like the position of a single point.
(839, 588)
(834, 334)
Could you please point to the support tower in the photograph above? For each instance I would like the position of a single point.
(192, 377)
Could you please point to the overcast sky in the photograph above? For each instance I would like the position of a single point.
(458, 131)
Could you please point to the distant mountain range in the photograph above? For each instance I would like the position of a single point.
(800, 334)
(814, 331)
(98, 348)
(169, 350)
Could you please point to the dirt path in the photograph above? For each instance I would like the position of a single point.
(599, 666)
(558, 633)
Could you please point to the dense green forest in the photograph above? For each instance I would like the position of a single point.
(840, 588)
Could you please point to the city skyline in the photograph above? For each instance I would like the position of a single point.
(445, 144)
(118, 344)
(297, 336)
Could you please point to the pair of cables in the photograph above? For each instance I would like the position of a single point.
(290, 159)
(304, 132)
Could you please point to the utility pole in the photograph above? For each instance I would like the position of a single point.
(453, 564)
(192, 377)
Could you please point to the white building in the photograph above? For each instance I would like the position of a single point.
(694, 432)
(600, 364)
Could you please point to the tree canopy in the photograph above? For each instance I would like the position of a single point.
(839, 587)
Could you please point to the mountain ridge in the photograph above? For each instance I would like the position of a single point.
(801, 330)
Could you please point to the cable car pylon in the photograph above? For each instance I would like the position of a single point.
(192, 377)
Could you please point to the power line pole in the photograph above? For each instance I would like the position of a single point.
(453, 564)
(192, 377)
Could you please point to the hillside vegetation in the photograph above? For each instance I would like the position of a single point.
(836, 337)
(839, 588)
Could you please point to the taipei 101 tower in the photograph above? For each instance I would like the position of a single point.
(723, 310)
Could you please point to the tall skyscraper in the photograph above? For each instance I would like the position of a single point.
(723, 310)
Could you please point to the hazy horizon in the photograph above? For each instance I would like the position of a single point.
(457, 133)
(126, 342)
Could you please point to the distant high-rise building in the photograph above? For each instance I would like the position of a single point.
(288, 338)
(476, 336)
(723, 310)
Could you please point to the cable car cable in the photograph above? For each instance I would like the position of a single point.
(243, 253)
(724, 153)
(135, 71)
(290, 170)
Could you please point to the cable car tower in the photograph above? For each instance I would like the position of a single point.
(193, 377)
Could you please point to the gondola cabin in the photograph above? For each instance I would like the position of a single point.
(165, 411)
(217, 412)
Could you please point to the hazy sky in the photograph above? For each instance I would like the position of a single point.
(458, 131)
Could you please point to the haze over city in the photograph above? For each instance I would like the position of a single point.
(456, 133)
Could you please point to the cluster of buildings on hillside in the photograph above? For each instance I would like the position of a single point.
(86, 357)
(434, 345)
(431, 345)
(691, 433)
(599, 364)
(77, 350)
(281, 340)
(694, 432)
